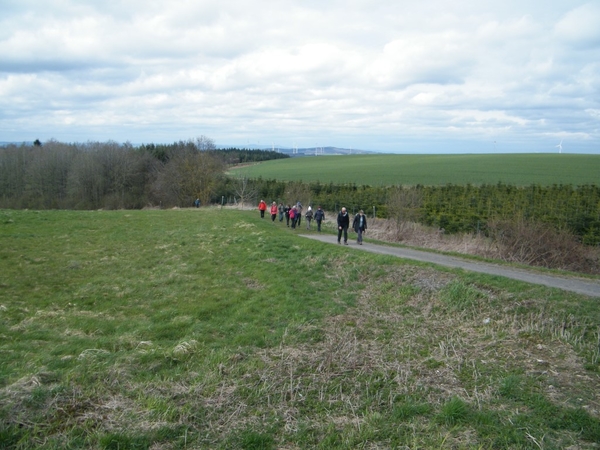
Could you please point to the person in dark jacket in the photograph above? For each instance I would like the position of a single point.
(343, 222)
(286, 212)
(298, 213)
(359, 225)
(319, 217)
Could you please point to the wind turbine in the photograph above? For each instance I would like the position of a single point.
(559, 146)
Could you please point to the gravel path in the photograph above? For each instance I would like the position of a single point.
(580, 286)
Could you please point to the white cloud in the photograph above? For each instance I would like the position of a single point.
(346, 73)
(580, 27)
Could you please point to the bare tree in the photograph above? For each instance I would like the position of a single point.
(124, 175)
(404, 205)
(244, 189)
(86, 185)
(187, 176)
(297, 192)
(204, 143)
(13, 166)
(47, 175)
(109, 175)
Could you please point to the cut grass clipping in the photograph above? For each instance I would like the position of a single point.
(213, 328)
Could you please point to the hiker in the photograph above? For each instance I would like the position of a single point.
(273, 211)
(197, 203)
(281, 210)
(359, 224)
(262, 207)
(299, 213)
(293, 214)
(286, 212)
(319, 217)
(309, 217)
(343, 222)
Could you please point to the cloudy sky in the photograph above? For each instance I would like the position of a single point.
(388, 75)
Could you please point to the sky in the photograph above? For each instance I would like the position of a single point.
(433, 76)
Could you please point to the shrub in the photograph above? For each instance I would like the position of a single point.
(538, 244)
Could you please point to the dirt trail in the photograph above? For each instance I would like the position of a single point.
(578, 285)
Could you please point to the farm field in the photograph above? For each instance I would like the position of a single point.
(429, 170)
(213, 329)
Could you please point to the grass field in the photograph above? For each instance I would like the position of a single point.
(429, 170)
(207, 328)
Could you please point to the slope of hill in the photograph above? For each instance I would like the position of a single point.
(212, 328)
(386, 169)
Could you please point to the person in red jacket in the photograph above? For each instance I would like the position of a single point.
(274, 211)
(293, 216)
(262, 207)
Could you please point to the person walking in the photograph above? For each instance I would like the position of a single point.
(293, 216)
(309, 217)
(360, 226)
(273, 211)
(262, 207)
(298, 213)
(281, 210)
(286, 212)
(343, 222)
(319, 217)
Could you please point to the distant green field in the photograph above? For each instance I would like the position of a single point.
(430, 170)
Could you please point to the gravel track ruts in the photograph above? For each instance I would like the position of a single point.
(580, 286)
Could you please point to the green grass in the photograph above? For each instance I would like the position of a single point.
(215, 329)
(433, 170)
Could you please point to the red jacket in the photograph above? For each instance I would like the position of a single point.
(273, 210)
(262, 206)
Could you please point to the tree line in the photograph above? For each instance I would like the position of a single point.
(110, 175)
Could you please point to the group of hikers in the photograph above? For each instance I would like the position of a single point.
(293, 218)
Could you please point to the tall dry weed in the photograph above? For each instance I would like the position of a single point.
(538, 244)
(521, 242)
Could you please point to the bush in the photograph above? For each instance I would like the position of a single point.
(538, 244)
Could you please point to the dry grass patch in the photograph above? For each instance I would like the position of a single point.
(523, 243)
(395, 345)
(416, 344)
